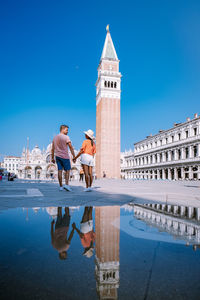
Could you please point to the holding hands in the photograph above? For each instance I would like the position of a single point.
(78, 231)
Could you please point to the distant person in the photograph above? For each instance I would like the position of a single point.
(81, 174)
(86, 232)
(1, 177)
(104, 174)
(10, 177)
(87, 153)
(59, 238)
(60, 145)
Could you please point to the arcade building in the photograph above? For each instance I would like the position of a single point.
(172, 154)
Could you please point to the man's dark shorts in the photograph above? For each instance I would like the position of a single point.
(63, 163)
(62, 221)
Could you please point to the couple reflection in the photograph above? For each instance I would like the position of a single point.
(86, 232)
(59, 233)
(106, 239)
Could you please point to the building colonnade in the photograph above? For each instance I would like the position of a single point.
(170, 173)
(173, 154)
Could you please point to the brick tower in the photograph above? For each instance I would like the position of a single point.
(108, 91)
(107, 228)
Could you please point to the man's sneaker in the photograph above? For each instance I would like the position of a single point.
(61, 188)
(67, 188)
(89, 189)
(86, 190)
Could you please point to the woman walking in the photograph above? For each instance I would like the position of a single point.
(87, 152)
(86, 232)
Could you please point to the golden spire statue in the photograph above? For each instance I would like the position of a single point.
(107, 28)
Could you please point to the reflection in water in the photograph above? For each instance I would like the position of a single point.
(107, 225)
(181, 222)
(30, 252)
(107, 251)
(107, 243)
(86, 232)
(52, 211)
(59, 238)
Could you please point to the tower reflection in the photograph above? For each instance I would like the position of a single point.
(107, 226)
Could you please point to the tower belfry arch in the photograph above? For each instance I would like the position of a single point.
(108, 95)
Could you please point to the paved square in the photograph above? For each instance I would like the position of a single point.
(106, 192)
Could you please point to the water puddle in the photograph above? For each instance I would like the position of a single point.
(130, 252)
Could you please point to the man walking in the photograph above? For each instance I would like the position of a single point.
(60, 145)
(59, 239)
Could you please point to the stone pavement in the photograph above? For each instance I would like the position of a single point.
(22, 193)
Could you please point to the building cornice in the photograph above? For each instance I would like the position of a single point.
(169, 146)
(163, 133)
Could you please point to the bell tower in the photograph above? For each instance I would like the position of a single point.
(107, 227)
(108, 94)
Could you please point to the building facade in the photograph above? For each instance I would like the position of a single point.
(11, 164)
(172, 154)
(108, 94)
(36, 164)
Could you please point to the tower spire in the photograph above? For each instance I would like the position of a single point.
(109, 51)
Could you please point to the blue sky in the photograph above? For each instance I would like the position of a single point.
(49, 56)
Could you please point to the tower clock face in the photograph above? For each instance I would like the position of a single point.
(110, 67)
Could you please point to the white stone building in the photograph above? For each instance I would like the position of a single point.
(123, 163)
(172, 154)
(11, 164)
(36, 164)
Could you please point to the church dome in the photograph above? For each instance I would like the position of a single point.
(36, 151)
(52, 211)
(35, 209)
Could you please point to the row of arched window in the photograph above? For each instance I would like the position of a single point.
(170, 139)
(165, 156)
(110, 84)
